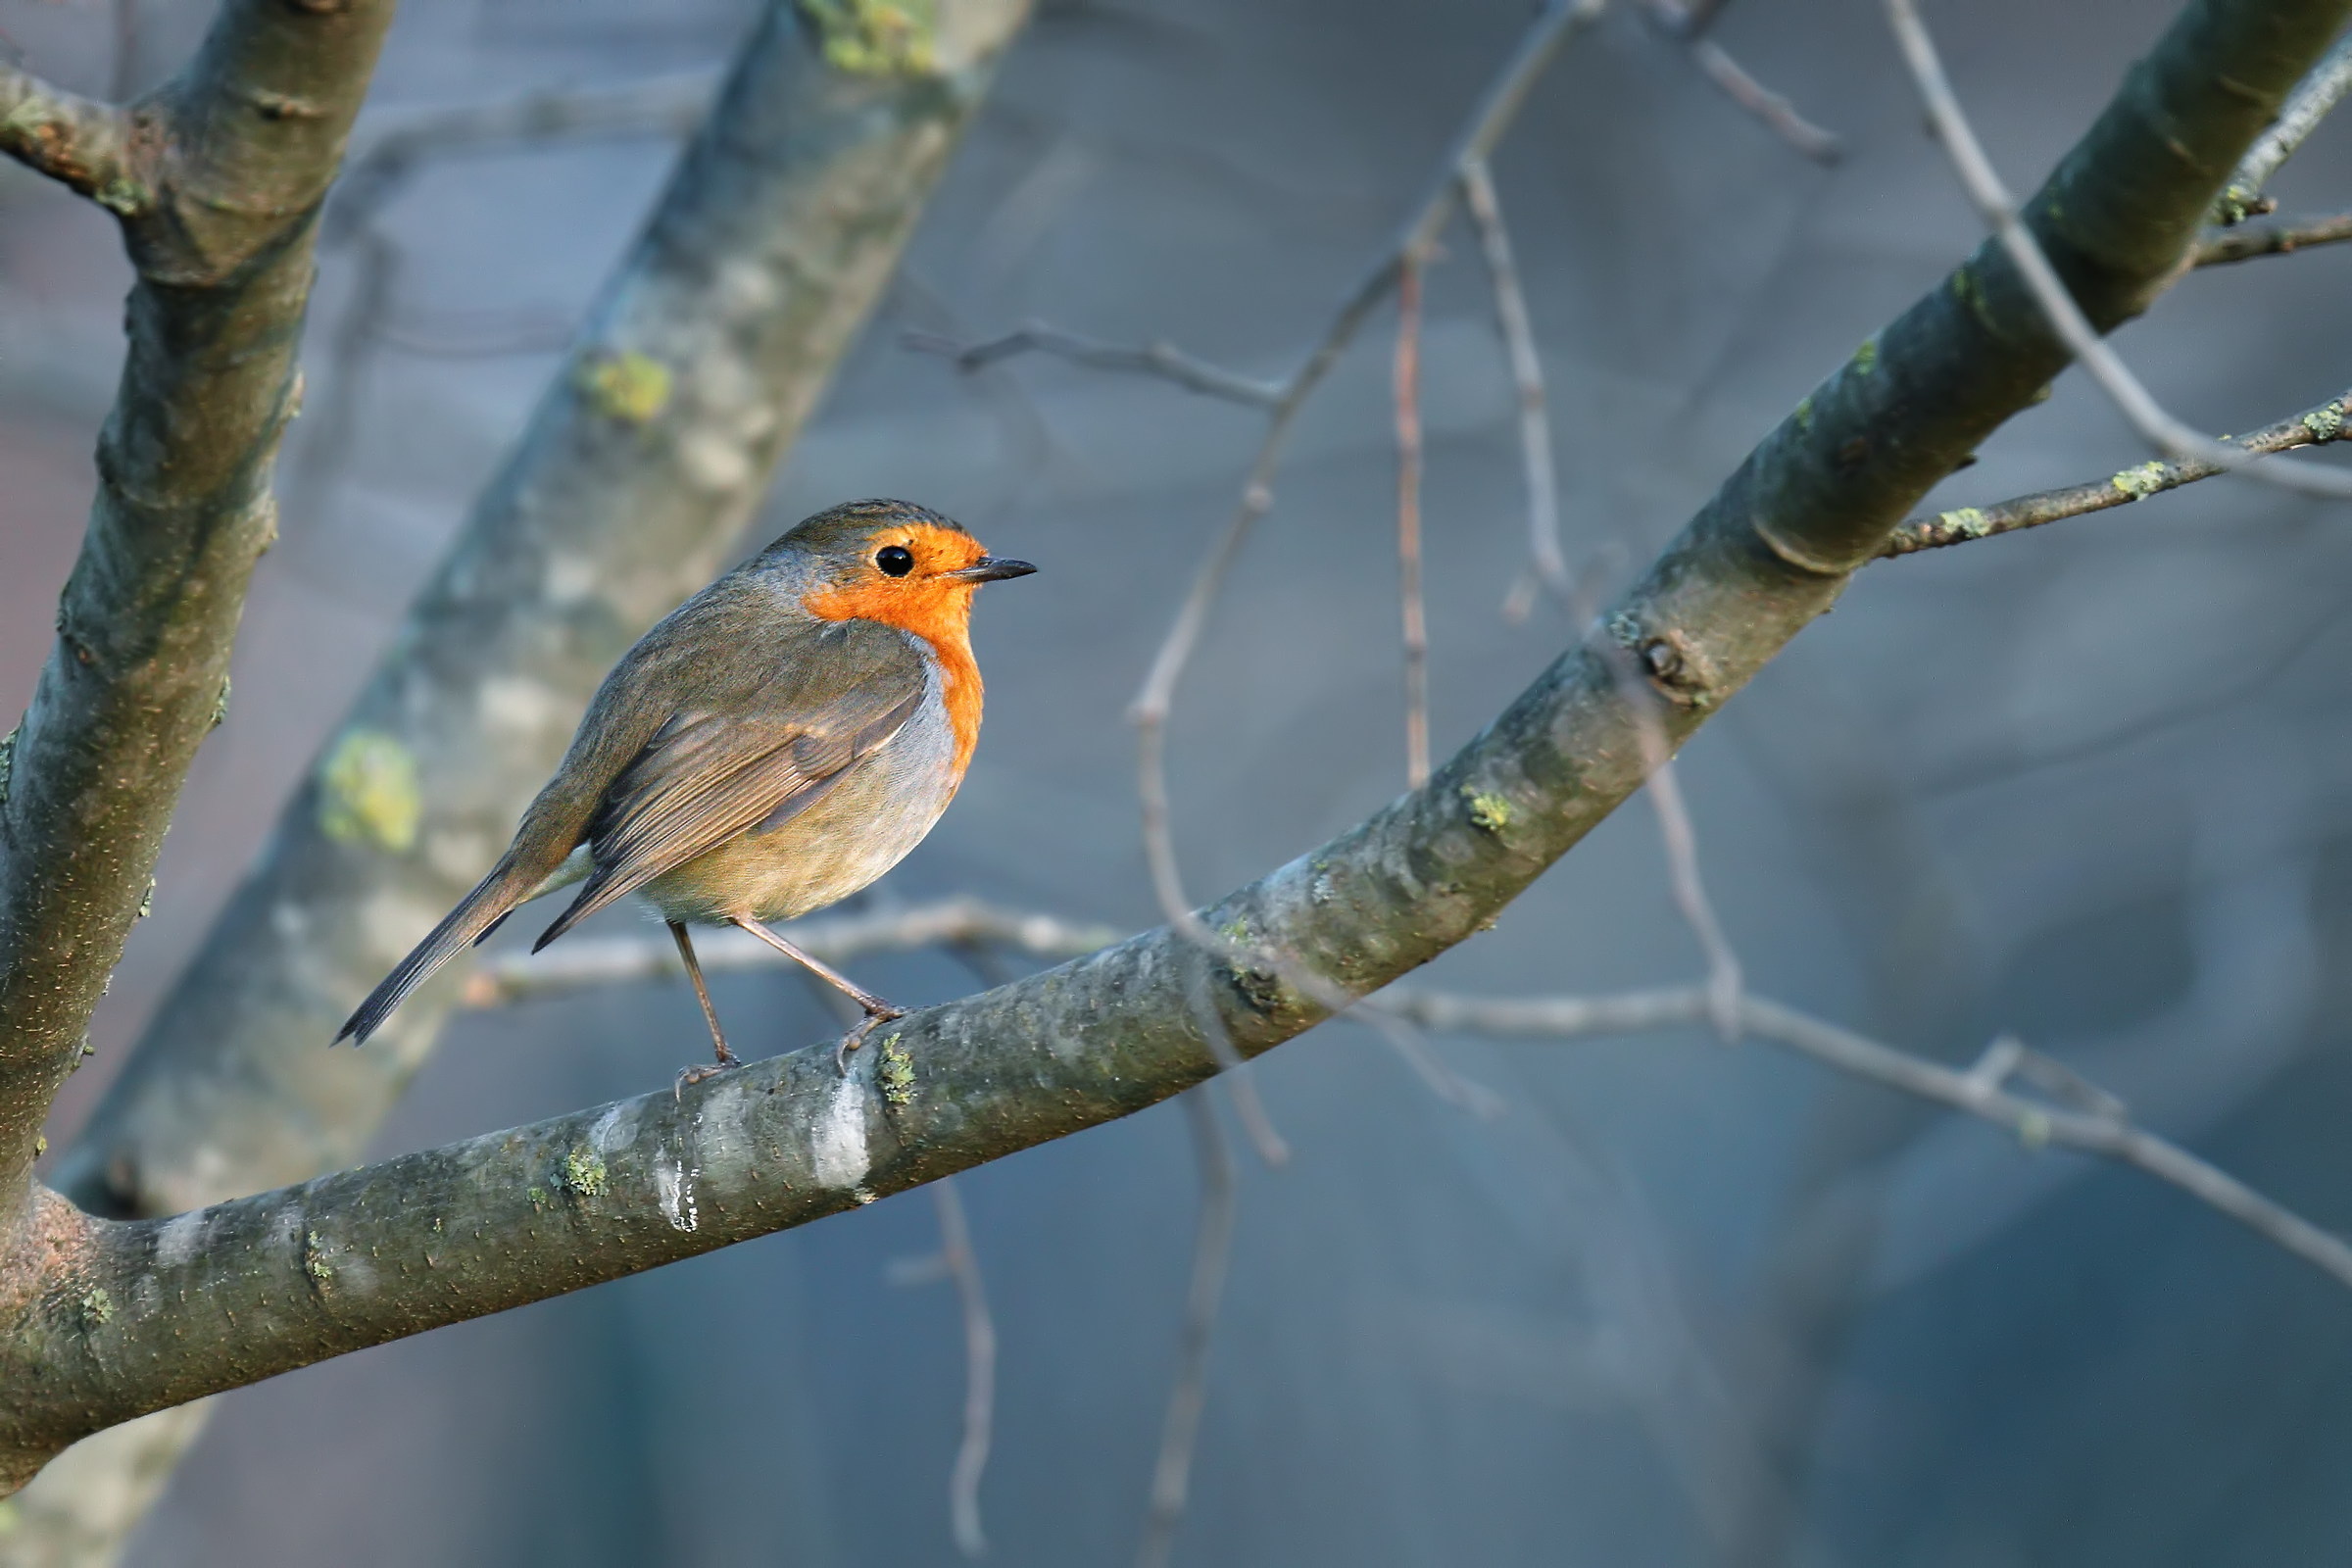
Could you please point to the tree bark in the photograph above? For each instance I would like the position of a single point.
(130, 1316)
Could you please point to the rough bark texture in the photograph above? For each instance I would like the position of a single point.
(638, 471)
(264, 1284)
(217, 180)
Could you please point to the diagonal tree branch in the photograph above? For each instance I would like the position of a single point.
(217, 179)
(2090, 1120)
(119, 1317)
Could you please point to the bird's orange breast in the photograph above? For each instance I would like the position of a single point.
(940, 615)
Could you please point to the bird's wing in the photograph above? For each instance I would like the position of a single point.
(712, 773)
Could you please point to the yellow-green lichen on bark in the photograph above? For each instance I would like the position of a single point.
(877, 37)
(1490, 811)
(584, 1172)
(367, 792)
(897, 1073)
(630, 387)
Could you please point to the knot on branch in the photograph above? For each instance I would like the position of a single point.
(1669, 662)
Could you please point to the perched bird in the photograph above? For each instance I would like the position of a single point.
(778, 742)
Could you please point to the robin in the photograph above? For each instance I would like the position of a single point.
(778, 742)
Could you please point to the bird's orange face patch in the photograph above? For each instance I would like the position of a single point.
(923, 599)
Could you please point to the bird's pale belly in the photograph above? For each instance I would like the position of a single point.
(869, 819)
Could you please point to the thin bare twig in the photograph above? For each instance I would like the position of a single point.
(583, 962)
(1690, 18)
(1677, 835)
(1434, 1073)
(1550, 571)
(955, 1261)
(2316, 426)
(2320, 91)
(1212, 1252)
(387, 154)
(2277, 237)
(482, 335)
(1559, 21)
(2084, 1117)
(1776, 113)
(1162, 360)
(1249, 1106)
(1413, 613)
(1548, 561)
(2138, 407)
(979, 1368)
(1683, 880)
(1687, 24)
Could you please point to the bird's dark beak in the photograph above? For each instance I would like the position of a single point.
(988, 568)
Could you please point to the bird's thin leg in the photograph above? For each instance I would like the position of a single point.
(877, 1009)
(702, 994)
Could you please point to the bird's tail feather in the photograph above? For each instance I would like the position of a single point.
(493, 899)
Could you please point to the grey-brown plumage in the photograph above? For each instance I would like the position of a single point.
(775, 743)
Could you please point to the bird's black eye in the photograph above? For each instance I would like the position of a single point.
(896, 560)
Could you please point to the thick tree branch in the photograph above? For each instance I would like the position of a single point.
(1547, 564)
(119, 1309)
(640, 467)
(2313, 427)
(217, 188)
(79, 142)
(2091, 1121)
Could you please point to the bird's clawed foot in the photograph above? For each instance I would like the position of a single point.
(702, 994)
(688, 1076)
(876, 1011)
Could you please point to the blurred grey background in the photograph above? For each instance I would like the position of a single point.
(1683, 1303)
